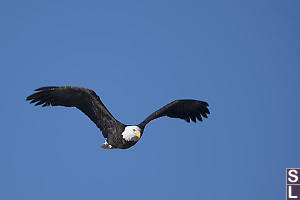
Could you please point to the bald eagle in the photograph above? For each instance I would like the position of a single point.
(117, 135)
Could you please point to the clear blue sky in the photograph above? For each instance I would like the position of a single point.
(240, 56)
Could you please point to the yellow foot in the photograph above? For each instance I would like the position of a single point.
(106, 146)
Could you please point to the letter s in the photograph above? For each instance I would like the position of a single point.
(293, 176)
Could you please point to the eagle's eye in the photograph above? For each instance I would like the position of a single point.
(134, 129)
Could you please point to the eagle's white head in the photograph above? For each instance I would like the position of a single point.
(132, 133)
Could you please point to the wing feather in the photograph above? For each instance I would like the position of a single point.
(186, 109)
(84, 99)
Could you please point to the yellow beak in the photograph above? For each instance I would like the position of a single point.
(137, 134)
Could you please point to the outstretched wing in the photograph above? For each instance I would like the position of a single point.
(184, 109)
(84, 99)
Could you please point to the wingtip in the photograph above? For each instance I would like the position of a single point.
(205, 103)
(36, 97)
(28, 98)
